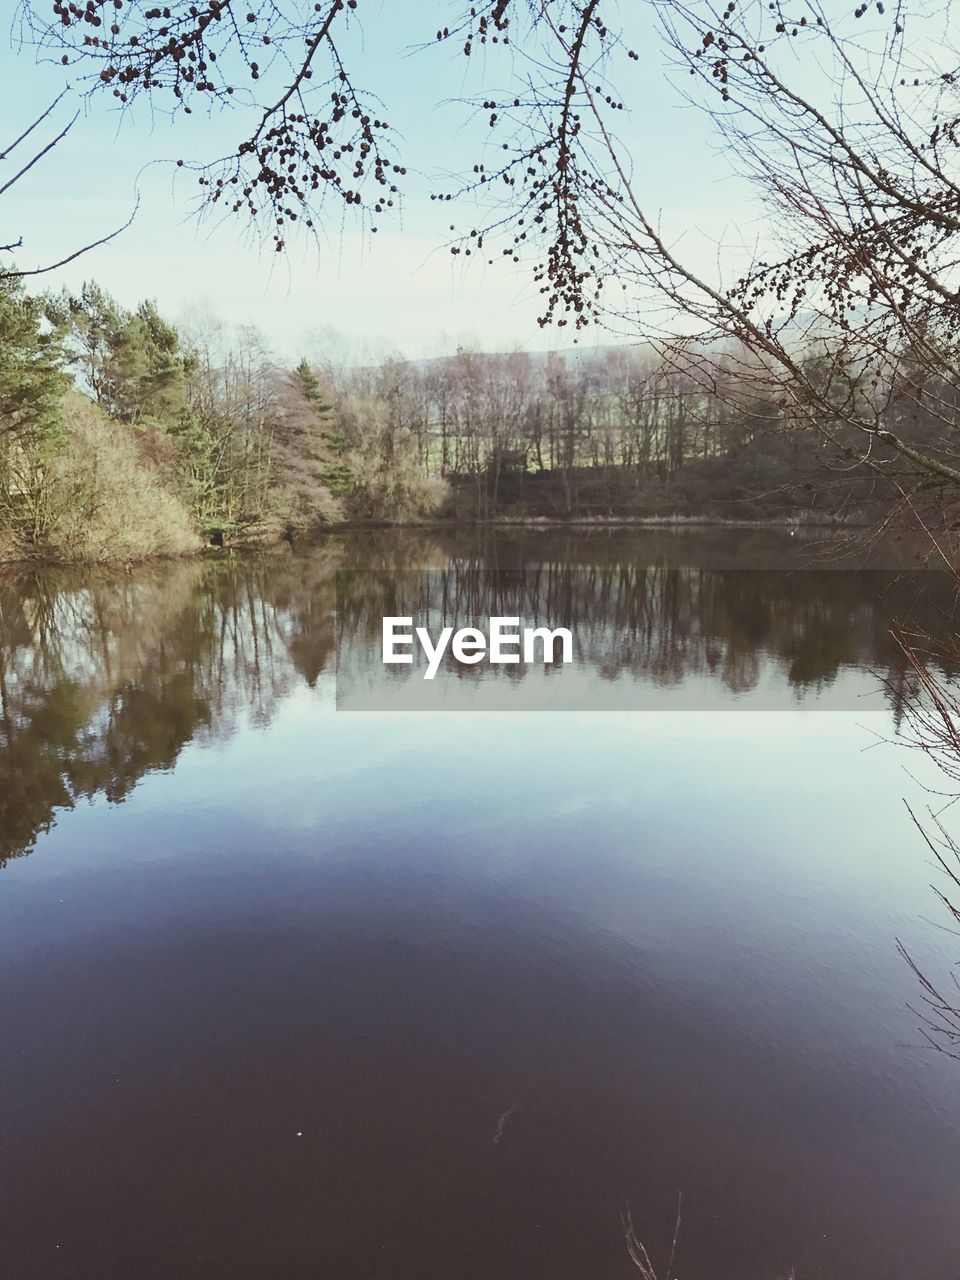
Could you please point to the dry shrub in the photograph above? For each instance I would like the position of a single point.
(398, 496)
(300, 504)
(389, 482)
(107, 498)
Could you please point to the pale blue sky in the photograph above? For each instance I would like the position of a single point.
(398, 290)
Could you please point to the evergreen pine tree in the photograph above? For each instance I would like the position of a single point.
(336, 474)
(32, 382)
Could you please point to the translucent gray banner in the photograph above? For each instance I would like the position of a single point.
(551, 637)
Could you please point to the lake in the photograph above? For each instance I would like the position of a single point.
(301, 992)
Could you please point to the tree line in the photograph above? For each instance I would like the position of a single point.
(623, 432)
(123, 434)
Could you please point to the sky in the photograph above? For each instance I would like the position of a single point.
(399, 291)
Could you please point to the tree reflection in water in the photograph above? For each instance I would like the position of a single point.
(105, 677)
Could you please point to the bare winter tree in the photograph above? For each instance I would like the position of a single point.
(27, 152)
(849, 132)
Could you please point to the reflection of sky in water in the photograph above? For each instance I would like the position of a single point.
(760, 866)
(671, 937)
(786, 827)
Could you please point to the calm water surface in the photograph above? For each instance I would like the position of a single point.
(294, 992)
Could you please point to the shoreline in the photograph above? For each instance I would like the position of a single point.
(315, 537)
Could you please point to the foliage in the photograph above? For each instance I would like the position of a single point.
(389, 483)
(170, 435)
(334, 470)
(31, 386)
(105, 499)
(621, 432)
(130, 361)
(207, 422)
(31, 381)
(308, 452)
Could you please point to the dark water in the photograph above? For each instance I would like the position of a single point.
(291, 992)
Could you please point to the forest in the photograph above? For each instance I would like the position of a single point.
(124, 435)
